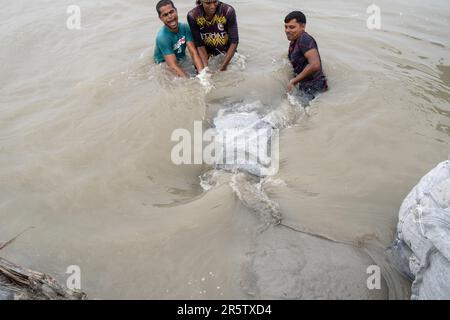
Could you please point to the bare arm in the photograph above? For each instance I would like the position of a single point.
(233, 33)
(195, 56)
(230, 54)
(171, 61)
(195, 30)
(203, 55)
(312, 67)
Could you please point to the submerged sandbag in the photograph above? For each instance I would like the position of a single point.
(249, 141)
(247, 138)
(421, 250)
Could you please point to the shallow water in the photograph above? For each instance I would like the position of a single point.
(85, 126)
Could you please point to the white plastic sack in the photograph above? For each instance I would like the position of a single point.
(422, 248)
(248, 138)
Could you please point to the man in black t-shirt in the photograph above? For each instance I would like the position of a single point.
(304, 57)
(214, 29)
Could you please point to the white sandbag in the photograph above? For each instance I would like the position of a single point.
(422, 248)
(248, 142)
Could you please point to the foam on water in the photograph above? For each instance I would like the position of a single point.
(205, 79)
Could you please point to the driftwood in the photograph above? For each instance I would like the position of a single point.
(17, 283)
(4, 244)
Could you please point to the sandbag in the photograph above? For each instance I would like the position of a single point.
(241, 131)
(421, 250)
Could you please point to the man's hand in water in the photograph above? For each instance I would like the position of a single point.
(171, 61)
(228, 56)
(291, 85)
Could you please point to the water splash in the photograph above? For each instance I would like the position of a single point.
(205, 79)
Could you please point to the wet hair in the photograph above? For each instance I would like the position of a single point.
(297, 15)
(198, 2)
(163, 3)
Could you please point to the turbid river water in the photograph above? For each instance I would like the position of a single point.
(85, 151)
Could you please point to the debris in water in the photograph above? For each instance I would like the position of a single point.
(17, 283)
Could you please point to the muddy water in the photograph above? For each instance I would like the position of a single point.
(85, 126)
